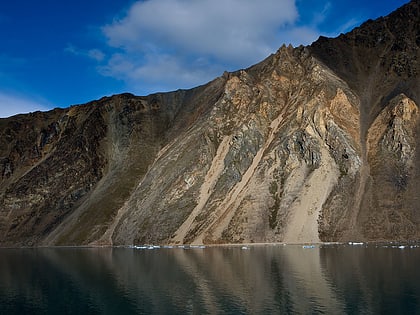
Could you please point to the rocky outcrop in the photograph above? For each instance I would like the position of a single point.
(393, 163)
(313, 144)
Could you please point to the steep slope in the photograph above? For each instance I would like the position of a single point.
(76, 167)
(380, 62)
(315, 143)
(255, 157)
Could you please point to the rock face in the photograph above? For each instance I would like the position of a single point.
(317, 143)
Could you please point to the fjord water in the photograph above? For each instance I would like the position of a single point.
(218, 280)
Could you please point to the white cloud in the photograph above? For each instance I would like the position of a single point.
(13, 104)
(225, 29)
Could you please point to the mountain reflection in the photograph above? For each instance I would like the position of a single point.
(220, 280)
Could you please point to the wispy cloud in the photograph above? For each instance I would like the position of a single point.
(94, 54)
(350, 24)
(11, 104)
(319, 17)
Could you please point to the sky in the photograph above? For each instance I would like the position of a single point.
(61, 53)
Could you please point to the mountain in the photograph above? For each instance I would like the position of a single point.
(316, 143)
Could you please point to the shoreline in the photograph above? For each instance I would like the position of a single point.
(413, 243)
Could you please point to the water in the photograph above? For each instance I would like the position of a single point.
(230, 280)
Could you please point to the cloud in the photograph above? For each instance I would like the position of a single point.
(11, 104)
(225, 29)
(94, 54)
(170, 44)
(349, 25)
(320, 16)
(160, 72)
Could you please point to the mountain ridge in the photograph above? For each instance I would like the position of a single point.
(315, 143)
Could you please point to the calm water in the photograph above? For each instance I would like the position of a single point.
(260, 280)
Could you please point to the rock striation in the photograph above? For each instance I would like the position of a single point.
(316, 143)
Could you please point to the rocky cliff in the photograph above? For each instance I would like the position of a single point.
(317, 143)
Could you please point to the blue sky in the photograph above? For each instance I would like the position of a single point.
(59, 53)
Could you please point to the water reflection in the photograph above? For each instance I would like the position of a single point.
(262, 280)
(374, 280)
